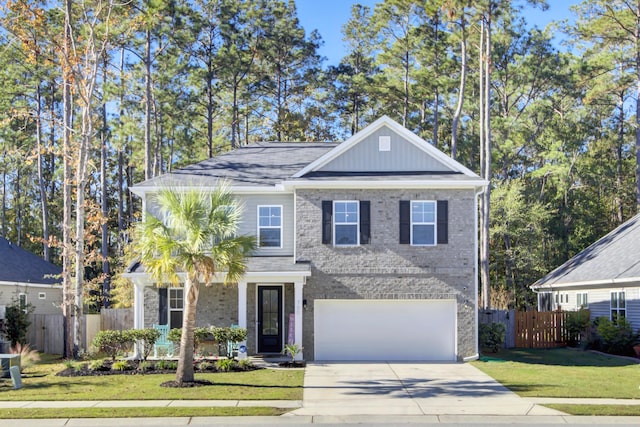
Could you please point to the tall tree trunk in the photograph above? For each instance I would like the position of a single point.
(44, 210)
(148, 160)
(619, 214)
(461, 90)
(185, 371)
(67, 286)
(209, 106)
(106, 284)
(485, 156)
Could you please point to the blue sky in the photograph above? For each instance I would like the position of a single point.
(328, 16)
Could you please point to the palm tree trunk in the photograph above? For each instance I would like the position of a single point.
(185, 369)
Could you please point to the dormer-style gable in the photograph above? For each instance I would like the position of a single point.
(383, 147)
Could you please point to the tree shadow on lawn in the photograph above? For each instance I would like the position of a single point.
(560, 357)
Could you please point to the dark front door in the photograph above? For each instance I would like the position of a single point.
(269, 319)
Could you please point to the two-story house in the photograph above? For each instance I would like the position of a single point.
(367, 249)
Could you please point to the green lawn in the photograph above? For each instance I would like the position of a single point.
(40, 413)
(564, 373)
(41, 383)
(598, 410)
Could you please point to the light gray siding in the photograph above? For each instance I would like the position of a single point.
(249, 224)
(50, 304)
(403, 156)
(600, 301)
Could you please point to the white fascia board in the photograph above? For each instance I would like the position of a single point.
(399, 129)
(257, 276)
(382, 185)
(586, 284)
(31, 285)
(278, 188)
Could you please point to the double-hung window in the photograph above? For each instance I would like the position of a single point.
(270, 226)
(582, 300)
(423, 223)
(176, 307)
(346, 223)
(618, 306)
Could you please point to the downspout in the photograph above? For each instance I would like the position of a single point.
(478, 192)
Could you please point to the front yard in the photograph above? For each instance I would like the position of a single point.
(564, 373)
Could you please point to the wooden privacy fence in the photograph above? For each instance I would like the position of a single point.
(46, 332)
(507, 318)
(539, 329)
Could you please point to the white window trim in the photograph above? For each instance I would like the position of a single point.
(618, 309)
(269, 226)
(169, 308)
(585, 297)
(434, 223)
(356, 223)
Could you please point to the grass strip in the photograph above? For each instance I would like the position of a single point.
(564, 373)
(40, 413)
(601, 410)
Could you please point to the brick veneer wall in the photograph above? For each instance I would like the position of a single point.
(385, 269)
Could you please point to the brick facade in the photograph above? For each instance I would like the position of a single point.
(385, 269)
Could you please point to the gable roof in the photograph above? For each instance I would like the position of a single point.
(447, 163)
(278, 166)
(20, 266)
(612, 260)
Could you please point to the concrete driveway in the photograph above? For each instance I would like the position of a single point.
(392, 388)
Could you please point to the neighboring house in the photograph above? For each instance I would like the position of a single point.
(366, 249)
(605, 278)
(29, 279)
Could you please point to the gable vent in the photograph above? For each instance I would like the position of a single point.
(384, 143)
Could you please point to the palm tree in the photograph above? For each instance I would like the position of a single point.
(193, 232)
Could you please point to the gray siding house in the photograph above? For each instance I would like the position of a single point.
(605, 278)
(367, 249)
(29, 279)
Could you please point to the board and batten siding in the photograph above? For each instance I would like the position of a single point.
(249, 224)
(402, 156)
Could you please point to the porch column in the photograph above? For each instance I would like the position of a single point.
(298, 286)
(138, 313)
(242, 315)
(138, 304)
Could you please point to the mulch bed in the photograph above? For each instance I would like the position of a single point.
(133, 367)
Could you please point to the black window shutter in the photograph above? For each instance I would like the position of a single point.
(405, 222)
(443, 221)
(365, 222)
(162, 306)
(327, 225)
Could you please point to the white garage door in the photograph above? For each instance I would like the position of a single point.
(385, 330)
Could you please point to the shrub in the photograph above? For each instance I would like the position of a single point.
(17, 322)
(145, 366)
(577, 325)
(292, 351)
(205, 366)
(121, 365)
(113, 343)
(167, 365)
(199, 334)
(225, 365)
(96, 365)
(147, 337)
(224, 335)
(491, 336)
(618, 337)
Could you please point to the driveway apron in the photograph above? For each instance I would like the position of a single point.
(397, 388)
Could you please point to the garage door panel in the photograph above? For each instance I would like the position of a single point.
(385, 329)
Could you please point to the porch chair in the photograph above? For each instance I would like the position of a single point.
(162, 343)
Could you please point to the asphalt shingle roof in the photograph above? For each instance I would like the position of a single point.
(19, 265)
(614, 256)
(259, 164)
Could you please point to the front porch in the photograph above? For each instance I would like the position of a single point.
(268, 303)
